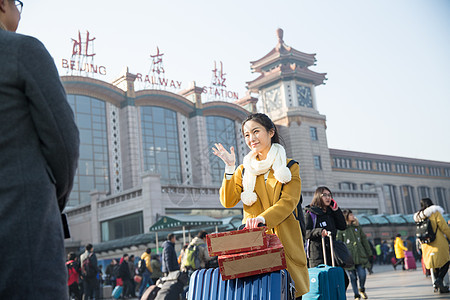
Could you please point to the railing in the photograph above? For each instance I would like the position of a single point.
(343, 194)
(125, 196)
(79, 210)
(190, 190)
(107, 201)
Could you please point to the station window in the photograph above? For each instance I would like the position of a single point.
(313, 133)
(317, 162)
(121, 227)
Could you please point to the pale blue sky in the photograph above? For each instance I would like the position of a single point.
(387, 62)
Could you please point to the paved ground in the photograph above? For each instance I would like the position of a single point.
(385, 283)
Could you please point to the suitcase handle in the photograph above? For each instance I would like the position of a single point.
(259, 225)
(329, 234)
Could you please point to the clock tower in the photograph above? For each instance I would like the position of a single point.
(286, 89)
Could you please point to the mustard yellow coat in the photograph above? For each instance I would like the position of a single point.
(277, 211)
(436, 253)
(399, 248)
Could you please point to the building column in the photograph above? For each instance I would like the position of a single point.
(95, 225)
(129, 132)
(152, 203)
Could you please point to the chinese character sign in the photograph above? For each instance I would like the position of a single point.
(218, 76)
(217, 90)
(157, 62)
(82, 60)
(78, 45)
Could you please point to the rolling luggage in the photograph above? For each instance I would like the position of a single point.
(117, 292)
(107, 292)
(325, 282)
(410, 261)
(207, 284)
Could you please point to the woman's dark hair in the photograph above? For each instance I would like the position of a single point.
(317, 199)
(267, 123)
(72, 256)
(424, 203)
(346, 213)
(202, 234)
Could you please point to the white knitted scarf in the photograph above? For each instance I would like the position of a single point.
(276, 159)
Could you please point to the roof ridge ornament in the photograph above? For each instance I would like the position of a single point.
(280, 36)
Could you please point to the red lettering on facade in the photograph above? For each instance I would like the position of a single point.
(163, 81)
(77, 48)
(218, 76)
(102, 70)
(93, 68)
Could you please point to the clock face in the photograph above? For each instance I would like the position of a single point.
(272, 99)
(304, 96)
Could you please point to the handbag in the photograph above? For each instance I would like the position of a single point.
(342, 255)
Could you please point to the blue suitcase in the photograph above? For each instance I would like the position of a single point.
(325, 282)
(207, 284)
(117, 292)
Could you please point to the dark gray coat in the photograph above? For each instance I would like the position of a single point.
(38, 158)
(169, 257)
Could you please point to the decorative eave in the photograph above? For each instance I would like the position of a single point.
(248, 99)
(225, 109)
(193, 89)
(164, 99)
(280, 52)
(91, 87)
(285, 72)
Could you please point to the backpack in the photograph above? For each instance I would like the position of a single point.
(88, 268)
(142, 266)
(191, 257)
(298, 212)
(116, 269)
(424, 231)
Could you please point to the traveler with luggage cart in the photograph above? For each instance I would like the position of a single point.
(322, 217)
(269, 190)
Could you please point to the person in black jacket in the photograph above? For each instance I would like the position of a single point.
(322, 216)
(328, 217)
(169, 256)
(124, 274)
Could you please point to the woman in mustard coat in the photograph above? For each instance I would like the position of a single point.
(435, 254)
(269, 191)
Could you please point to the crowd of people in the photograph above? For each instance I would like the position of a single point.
(86, 277)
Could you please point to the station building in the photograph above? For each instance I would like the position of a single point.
(147, 153)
